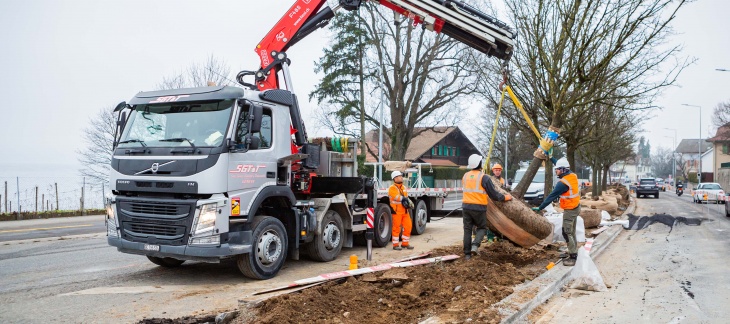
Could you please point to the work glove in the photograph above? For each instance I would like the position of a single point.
(535, 209)
(507, 197)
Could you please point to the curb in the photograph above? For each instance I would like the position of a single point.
(516, 306)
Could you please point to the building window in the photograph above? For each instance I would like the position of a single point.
(433, 151)
(457, 152)
(725, 148)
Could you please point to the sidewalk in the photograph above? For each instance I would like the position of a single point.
(525, 298)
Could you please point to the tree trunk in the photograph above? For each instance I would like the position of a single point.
(594, 181)
(604, 180)
(362, 99)
(530, 173)
(570, 155)
(548, 177)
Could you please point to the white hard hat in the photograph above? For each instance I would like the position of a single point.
(474, 160)
(395, 174)
(562, 163)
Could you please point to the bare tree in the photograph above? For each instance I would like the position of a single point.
(98, 136)
(721, 115)
(575, 53)
(662, 162)
(213, 70)
(425, 78)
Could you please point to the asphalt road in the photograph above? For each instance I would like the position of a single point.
(52, 227)
(81, 279)
(658, 275)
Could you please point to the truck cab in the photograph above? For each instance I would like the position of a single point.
(206, 174)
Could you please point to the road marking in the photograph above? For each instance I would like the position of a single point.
(139, 290)
(44, 228)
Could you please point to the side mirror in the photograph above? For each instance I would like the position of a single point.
(120, 106)
(254, 142)
(256, 115)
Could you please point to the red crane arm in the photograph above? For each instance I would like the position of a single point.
(278, 39)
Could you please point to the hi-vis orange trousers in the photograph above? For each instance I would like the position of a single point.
(405, 221)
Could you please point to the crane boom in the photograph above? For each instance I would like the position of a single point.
(453, 18)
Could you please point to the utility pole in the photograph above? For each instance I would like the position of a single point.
(82, 196)
(36, 200)
(56, 184)
(6, 197)
(380, 139)
(17, 188)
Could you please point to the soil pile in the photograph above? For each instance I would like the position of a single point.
(454, 291)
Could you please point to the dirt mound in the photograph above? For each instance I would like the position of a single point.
(453, 291)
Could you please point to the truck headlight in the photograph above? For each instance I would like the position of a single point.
(205, 222)
(112, 224)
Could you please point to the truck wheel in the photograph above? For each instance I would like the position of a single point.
(327, 245)
(166, 262)
(382, 225)
(268, 251)
(419, 217)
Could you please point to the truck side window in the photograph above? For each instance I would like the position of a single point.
(264, 135)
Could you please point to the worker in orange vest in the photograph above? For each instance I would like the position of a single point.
(497, 172)
(569, 192)
(478, 189)
(400, 205)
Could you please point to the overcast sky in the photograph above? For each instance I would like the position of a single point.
(62, 61)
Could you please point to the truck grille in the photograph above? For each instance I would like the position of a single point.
(155, 221)
(156, 209)
(156, 229)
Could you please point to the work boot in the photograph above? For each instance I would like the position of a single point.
(397, 248)
(569, 262)
(467, 257)
(474, 250)
(410, 247)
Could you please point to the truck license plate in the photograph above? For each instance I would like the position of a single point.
(150, 247)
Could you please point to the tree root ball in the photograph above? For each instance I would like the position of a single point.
(517, 221)
(591, 217)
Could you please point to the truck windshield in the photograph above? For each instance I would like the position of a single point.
(187, 124)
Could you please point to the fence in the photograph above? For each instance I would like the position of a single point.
(42, 194)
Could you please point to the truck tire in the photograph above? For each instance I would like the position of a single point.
(419, 217)
(268, 251)
(166, 262)
(382, 225)
(328, 244)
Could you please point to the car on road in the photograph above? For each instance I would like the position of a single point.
(646, 187)
(662, 185)
(711, 189)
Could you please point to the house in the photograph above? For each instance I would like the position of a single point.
(720, 149)
(440, 146)
(691, 156)
(631, 169)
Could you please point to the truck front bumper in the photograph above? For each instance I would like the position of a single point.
(204, 253)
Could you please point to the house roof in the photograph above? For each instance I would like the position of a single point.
(722, 134)
(419, 145)
(690, 146)
(438, 162)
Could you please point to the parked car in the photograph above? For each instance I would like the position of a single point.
(647, 186)
(662, 185)
(713, 191)
(535, 193)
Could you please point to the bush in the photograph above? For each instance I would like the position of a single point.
(49, 214)
(692, 177)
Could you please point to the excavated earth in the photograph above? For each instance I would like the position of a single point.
(452, 291)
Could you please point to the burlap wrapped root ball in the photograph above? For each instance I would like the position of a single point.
(524, 219)
(591, 217)
(607, 203)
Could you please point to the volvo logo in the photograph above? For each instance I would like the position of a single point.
(154, 168)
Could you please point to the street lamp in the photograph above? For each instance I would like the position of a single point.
(699, 145)
(674, 160)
